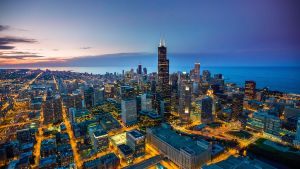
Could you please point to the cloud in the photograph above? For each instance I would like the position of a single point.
(4, 27)
(7, 42)
(19, 56)
(86, 47)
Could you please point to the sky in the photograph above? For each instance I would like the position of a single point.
(95, 33)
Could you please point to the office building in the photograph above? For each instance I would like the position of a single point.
(99, 95)
(128, 105)
(206, 109)
(129, 111)
(126, 153)
(136, 141)
(163, 76)
(237, 105)
(99, 139)
(139, 69)
(89, 95)
(262, 121)
(145, 71)
(183, 151)
(108, 161)
(196, 73)
(146, 102)
(185, 97)
(250, 87)
(206, 76)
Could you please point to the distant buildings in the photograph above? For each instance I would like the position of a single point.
(250, 87)
(183, 151)
(206, 76)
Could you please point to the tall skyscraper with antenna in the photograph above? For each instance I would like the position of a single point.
(163, 75)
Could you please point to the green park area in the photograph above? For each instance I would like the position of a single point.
(287, 158)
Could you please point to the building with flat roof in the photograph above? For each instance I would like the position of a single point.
(136, 141)
(126, 153)
(104, 162)
(183, 151)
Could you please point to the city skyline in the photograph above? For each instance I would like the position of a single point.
(44, 33)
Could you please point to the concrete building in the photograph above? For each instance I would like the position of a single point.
(136, 141)
(262, 121)
(129, 112)
(146, 100)
(250, 87)
(206, 109)
(183, 151)
(108, 161)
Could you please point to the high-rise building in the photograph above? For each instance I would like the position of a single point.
(139, 69)
(237, 105)
(147, 104)
(129, 111)
(128, 105)
(89, 95)
(163, 75)
(250, 90)
(185, 100)
(206, 109)
(206, 75)
(196, 75)
(136, 141)
(145, 71)
(99, 95)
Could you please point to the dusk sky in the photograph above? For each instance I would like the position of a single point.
(66, 33)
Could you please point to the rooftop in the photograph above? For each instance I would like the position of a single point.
(179, 142)
(135, 133)
(125, 149)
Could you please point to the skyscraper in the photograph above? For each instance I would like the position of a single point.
(237, 105)
(163, 75)
(89, 95)
(206, 75)
(206, 109)
(139, 69)
(128, 105)
(197, 72)
(250, 90)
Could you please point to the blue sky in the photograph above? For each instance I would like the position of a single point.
(57, 31)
